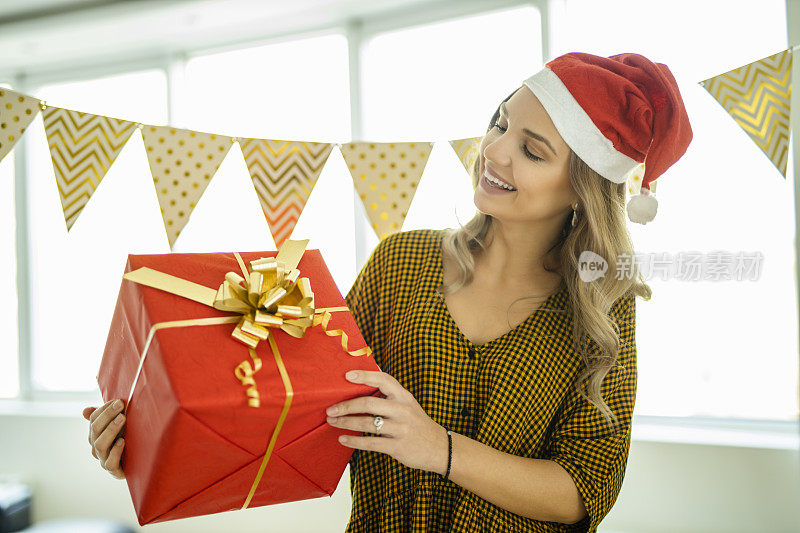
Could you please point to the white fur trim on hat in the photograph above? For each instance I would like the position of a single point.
(577, 129)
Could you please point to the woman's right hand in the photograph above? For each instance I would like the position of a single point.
(105, 423)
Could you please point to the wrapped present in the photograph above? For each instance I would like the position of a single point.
(228, 362)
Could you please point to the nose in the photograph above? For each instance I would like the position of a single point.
(496, 151)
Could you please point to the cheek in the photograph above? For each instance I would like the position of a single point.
(549, 186)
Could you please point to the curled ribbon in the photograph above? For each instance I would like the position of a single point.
(269, 295)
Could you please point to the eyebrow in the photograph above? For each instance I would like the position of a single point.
(529, 133)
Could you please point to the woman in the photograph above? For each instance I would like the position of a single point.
(509, 367)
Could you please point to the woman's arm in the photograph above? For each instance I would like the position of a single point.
(534, 488)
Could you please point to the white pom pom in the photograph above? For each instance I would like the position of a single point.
(642, 207)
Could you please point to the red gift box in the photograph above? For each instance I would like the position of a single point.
(213, 425)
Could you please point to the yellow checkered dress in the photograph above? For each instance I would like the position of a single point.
(513, 393)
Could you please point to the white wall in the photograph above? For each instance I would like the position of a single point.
(669, 487)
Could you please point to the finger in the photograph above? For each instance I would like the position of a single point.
(364, 424)
(87, 411)
(100, 410)
(103, 443)
(375, 444)
(366, 404)
(110, 410)
(383, 381)
(112, 464)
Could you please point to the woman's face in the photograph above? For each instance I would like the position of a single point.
(537, 168)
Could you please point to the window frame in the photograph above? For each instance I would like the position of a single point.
(357, 31)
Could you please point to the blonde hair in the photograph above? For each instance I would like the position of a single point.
(600, 227)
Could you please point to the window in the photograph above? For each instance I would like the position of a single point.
(415, 88)
(724, 348)
(76, 276)
(715, 349)
(9, 362)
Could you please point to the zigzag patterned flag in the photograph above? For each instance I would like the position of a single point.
(17, 110)
(386, 177)
(757, 97)
(467, 151)
(182, 163)
(284, 174)
(83, 147)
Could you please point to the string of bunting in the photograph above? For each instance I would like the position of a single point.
(182, 162)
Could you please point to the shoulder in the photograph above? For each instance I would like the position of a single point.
(624, 309)
(623, 312)
(410, 246)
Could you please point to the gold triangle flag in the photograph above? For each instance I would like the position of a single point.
(467, 151)
(17, 110)
(182, 163)
(386, 177)
(83, 147)
(757, 97)
(284, 174)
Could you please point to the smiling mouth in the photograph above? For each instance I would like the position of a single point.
(497, 183)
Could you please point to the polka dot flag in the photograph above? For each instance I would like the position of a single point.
(386, 177)
(182, 163)
(16, 112)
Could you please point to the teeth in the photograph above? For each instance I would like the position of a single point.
(498, 182)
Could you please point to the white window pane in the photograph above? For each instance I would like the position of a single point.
(417, 89)
(76, 276)
(726, 348)
(9, 369)
(295, 90)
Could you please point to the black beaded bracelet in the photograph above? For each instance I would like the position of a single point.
(449, 453)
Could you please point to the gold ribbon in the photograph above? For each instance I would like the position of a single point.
(270, 295)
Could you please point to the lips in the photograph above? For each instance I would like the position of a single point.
(495, 175)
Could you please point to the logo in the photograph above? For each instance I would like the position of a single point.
(591, 266)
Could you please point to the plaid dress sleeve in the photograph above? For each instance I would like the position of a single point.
(588, 447)
(366, 298)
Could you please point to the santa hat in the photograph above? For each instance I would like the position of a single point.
(622, 115)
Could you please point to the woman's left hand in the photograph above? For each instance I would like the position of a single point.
(408, 433)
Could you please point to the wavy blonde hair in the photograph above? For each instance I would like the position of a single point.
(600, 227)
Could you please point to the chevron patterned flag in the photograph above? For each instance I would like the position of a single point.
(757, 97)
(284, 174)
(182, 163)
(386, 177)
(83, 147)
(467, 151)
(17, 110)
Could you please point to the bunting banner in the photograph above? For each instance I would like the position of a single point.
(467, 151)
(284, 174)
(182, 163)
(83, 147)
(17, 111)
(386, 177)
(757, 96)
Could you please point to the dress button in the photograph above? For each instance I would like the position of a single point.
(465, 411)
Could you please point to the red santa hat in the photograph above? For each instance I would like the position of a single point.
(622, 115)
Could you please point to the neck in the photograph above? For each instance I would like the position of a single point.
(516, 255)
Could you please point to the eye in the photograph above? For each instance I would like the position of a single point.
(524, 148)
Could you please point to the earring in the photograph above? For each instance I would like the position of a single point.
(574, 214)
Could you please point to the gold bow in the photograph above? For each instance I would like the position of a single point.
(269, 296)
